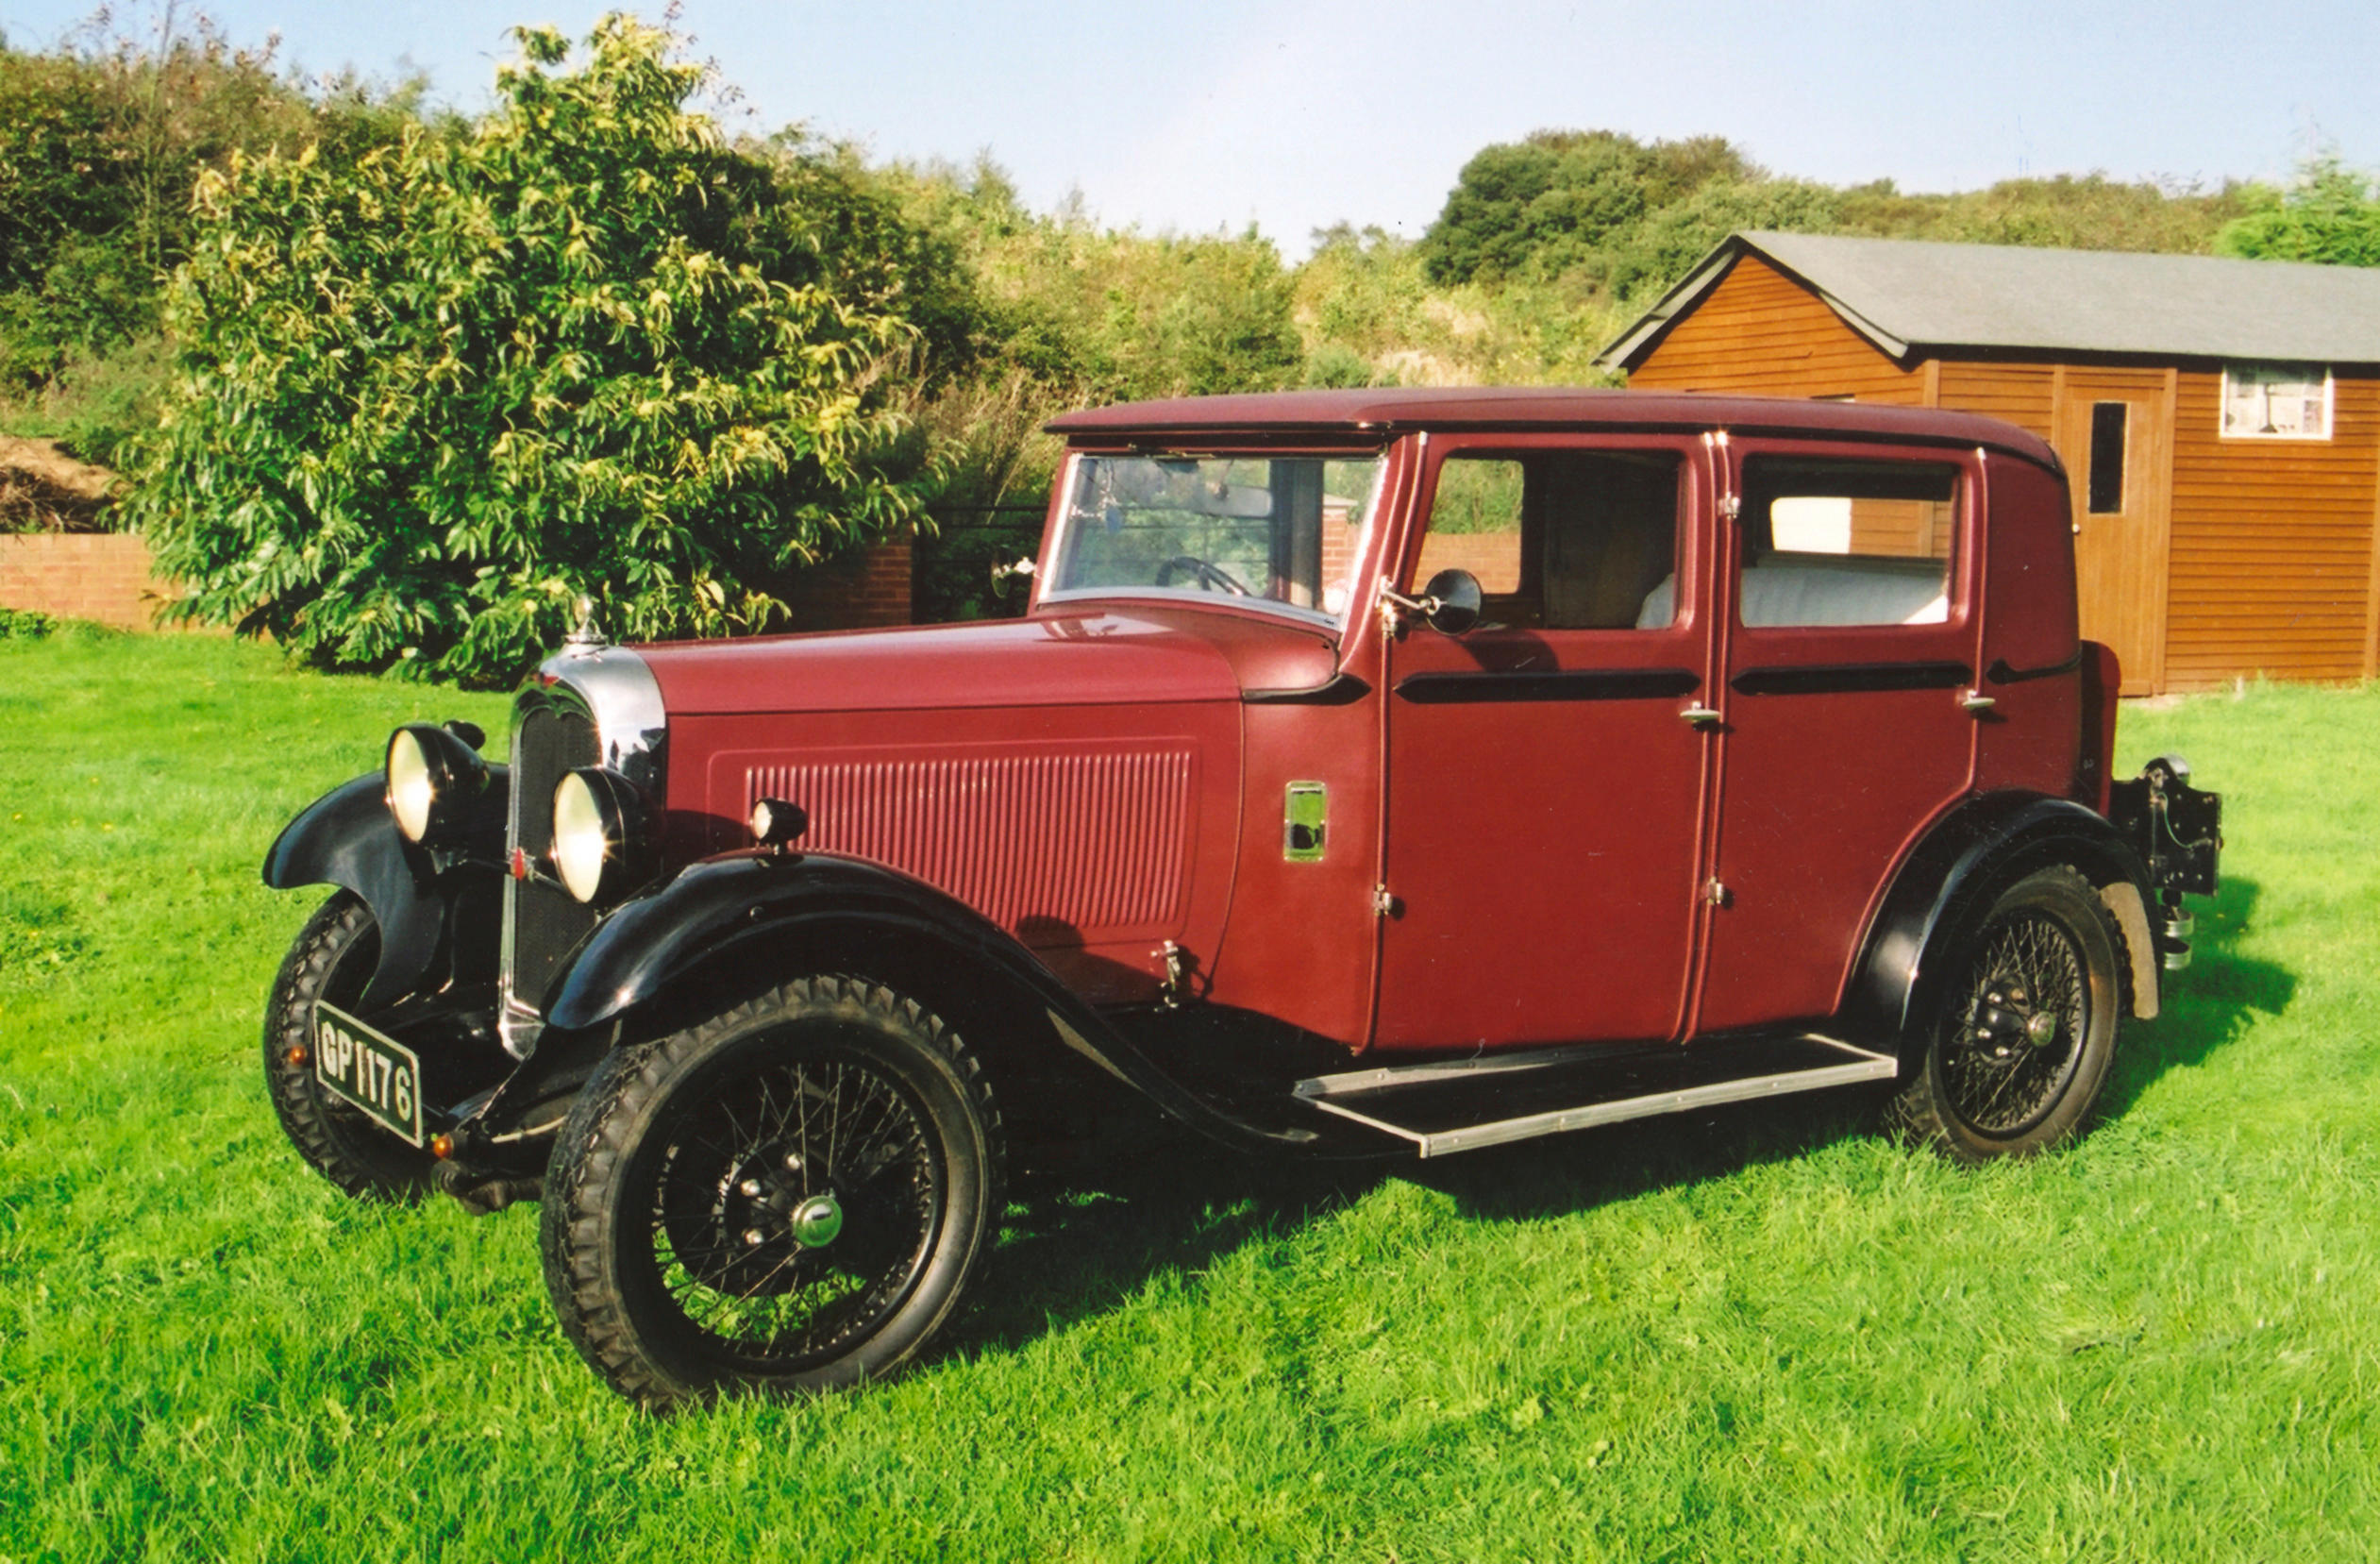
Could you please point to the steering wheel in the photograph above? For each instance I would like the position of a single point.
(1211, 577)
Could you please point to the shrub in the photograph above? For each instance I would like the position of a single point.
(2330, 216)
(424, 404)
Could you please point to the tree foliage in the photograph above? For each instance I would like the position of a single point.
(425, 403)
(1607, 216)
(2331, 214)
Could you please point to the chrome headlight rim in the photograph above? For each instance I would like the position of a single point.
(430, 778)
(601, 835)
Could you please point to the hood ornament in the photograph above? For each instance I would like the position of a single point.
(587, 635)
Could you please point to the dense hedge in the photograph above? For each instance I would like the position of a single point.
(425, 404)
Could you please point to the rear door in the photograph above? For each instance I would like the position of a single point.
(1850, 640)
(1544, 794)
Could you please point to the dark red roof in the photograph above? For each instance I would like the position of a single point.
(1399, 410)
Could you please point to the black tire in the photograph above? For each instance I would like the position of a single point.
(2016, 1052)
(332, 959)
(689, 1164)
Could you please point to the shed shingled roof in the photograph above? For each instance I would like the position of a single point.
(1905, 293)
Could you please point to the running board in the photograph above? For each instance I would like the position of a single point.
(1462, 1104)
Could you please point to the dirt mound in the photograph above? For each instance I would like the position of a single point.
(44, 490)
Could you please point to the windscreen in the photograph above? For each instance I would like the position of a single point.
(1277, 530)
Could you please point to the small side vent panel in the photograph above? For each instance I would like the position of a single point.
(1064, 848)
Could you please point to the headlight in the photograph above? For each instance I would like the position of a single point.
(434, 777)
(603, 838)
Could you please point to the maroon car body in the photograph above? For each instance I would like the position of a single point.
(1605, 753)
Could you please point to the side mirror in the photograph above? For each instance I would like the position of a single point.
(1451, 602)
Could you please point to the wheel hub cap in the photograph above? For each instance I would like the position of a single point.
(816, 1221)
(2042, 1030)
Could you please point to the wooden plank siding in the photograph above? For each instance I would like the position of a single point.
(2024, 394)
(2273, 542)
(2270, 562)
(1759, 332)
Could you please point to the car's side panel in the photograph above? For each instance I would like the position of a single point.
(1300, 947)
(2030, 661)
(1095, 835)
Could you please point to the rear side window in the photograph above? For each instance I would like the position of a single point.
(1829, 542)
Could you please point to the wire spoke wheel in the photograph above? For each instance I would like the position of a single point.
(791, 1196)
(2020, 1042)
(2010, 1050)
(794, 1207)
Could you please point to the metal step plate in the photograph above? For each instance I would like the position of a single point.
(1462, 1104)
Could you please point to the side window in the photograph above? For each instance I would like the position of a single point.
(1829, 541)
(1475, 523)
(1562, 540)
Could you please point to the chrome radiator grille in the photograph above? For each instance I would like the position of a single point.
(594, 705)
(543, 921)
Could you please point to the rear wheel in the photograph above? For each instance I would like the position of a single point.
(790, 1197)
(332, 959)
(2020, 1044)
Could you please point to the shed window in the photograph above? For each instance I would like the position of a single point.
(2107, 458)
(2268, 402)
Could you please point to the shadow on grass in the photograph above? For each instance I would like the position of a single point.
(1080, 1242)
(1155, 1199)
(2207, 1008)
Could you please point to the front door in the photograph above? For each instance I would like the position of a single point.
(1544, 793)
(1849, 623)
(2115, 433)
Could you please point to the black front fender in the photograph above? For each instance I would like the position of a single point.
(1949, 883)
(641, 952)
(347, 838)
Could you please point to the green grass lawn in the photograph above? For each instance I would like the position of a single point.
(1761, 1333)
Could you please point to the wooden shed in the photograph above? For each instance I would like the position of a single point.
(2219, 420)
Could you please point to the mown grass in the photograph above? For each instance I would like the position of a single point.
(1761, 1334)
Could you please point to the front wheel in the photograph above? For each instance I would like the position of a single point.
(789, 1197)
(2018, 1047)
(332, 959)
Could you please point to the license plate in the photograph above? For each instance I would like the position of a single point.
(378, 1074)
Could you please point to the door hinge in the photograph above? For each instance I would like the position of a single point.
(1716, 893)
(1384, 904)
(1729, 507)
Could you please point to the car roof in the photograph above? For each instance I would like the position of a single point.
(1401, 410)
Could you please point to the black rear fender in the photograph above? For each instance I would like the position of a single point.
(730, 927)
(428, 905)
(1946, 886)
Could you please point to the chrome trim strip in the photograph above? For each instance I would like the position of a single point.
(1478, 1065)
(1864, 1066)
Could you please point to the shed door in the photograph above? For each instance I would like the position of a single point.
(2115, 432)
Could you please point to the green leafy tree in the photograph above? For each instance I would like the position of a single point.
(2331, 214)
(424, 404)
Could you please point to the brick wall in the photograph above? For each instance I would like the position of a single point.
(105, 577)
(865, 589)
(100, 575)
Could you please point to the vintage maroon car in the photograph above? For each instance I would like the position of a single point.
(1372, 770)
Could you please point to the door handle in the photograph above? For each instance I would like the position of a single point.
(1700, 717)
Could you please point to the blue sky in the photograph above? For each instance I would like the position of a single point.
(1296, 113)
